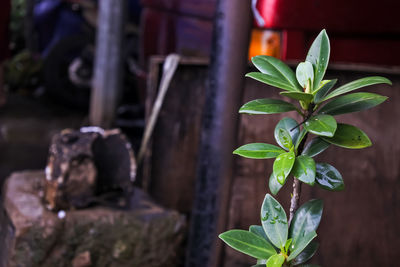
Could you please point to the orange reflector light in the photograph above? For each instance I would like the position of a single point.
(265, 42)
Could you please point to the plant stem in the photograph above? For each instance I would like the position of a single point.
(295, 199)
(294, 202)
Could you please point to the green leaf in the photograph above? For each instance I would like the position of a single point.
(274, 185)
(259, 151)
(352, 103)
(301, 244)
(283, 164)
(258, 230)
(323, 90)
(287, 244)
(328, 177)
(274, 221)
(304, 73)
(304, 169)
(248, 243)
(323, 125)
(354, 85)
(316, 146)
(287, 124)
(266, 106)
(306, 220)
(284, 139)
(302, 134)
(299, 96)
(306, 254)
(276, 73)
(318, 55)
(349, 136)
(276, 261)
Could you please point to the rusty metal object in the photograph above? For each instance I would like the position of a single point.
(84, 165)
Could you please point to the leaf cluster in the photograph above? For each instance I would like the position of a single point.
(274, 243)
(319, 102)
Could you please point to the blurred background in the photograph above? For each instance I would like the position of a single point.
(74, 63)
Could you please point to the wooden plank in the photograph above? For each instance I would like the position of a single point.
(170, 164)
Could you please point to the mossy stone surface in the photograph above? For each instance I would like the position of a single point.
(144, 235)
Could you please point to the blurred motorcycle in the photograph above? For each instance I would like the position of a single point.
(65, 31)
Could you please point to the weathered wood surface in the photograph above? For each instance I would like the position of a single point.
(144, 234)
(359, 225)
(172, 163)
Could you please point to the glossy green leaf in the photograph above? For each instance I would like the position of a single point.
(289, 125)
(283, 164)
(324, 89)
(248, 243)
(318, 55)
(304, 169)
(349, 136)
(299, 96)
(259, 151)
(274, 221)
(316, 146)
(274, 185)
(306, 254)
(354, 85)
(352, 103)
(284, 139)
(304, 73)
(258, 230)
(322, 125)
(287, 244)
(301, 244)
(328, 177)
(276, 260)
(275, 73)
(300, 138)
(305, 220)
(266, 106)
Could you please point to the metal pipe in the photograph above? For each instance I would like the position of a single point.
(219, 131)
(107, 80)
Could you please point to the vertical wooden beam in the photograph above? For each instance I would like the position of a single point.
(108, 61)
(218, 135)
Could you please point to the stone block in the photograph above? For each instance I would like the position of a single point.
(144, 234)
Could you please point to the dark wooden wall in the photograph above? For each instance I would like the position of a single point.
(359, 225)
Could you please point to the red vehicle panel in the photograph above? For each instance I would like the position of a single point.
(361, 31)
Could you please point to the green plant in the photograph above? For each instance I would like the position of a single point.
(280, 241)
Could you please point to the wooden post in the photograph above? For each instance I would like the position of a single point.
(108, 61)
